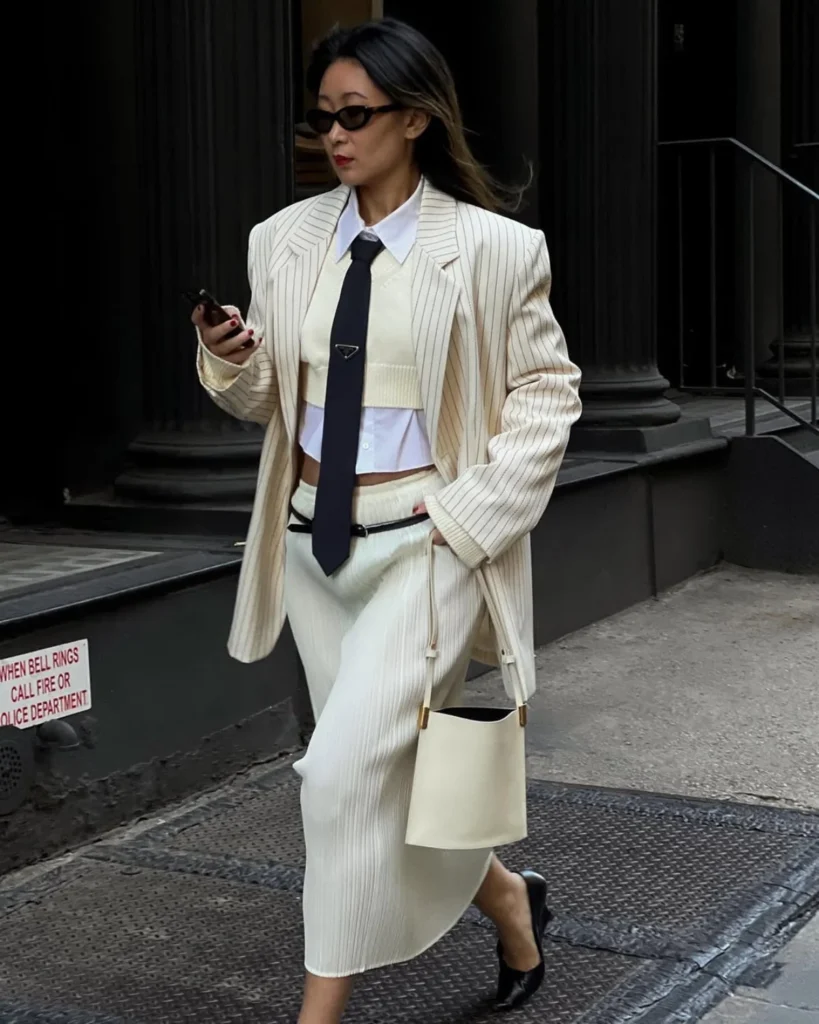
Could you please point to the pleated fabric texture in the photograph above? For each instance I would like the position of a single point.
(369, 899)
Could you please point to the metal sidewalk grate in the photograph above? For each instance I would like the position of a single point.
(199, 919)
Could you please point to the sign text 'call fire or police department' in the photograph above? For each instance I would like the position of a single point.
(47, 684)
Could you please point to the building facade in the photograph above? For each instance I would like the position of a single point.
(190, 133)
(674, 150)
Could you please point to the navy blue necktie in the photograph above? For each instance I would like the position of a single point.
(332, 519)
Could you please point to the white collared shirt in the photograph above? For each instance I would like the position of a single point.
(397, 231)
(390, 440)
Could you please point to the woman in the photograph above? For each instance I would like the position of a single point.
(404, 359)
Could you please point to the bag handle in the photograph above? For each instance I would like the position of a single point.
(511, 676)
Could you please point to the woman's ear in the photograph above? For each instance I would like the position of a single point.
(416, 124)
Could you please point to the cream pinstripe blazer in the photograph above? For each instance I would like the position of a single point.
(500, 395)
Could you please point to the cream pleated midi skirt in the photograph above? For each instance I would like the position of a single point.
(369, 899)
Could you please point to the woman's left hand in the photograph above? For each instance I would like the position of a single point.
(437, 536)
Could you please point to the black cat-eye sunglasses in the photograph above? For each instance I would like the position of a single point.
(350, 118)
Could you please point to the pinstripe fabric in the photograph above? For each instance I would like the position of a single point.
(369, 899)
(500, 395)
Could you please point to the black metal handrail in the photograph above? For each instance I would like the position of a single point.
(754, 156)
(751, 390)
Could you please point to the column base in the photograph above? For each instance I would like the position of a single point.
(625, 410)
(639, 440)
(797, 363)
(204, 467)
(626, 398)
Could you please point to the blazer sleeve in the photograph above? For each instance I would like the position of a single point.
(249, 391)
(492, 505)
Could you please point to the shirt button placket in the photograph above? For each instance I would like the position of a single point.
(367, 450)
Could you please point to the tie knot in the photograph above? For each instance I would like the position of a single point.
(365, 249)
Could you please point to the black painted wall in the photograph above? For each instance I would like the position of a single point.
(172, 713)
(76, 208)
(773, 508)
(696, 68)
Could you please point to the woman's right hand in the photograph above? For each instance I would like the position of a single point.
(215, 341)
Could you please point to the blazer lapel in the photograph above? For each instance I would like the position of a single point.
(435, 295)
(292, 283)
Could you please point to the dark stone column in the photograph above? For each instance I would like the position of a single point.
(800, 125)
(598, 207)
(214, 131)
(759, 125)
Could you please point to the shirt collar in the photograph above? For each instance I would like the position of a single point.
(397, 231)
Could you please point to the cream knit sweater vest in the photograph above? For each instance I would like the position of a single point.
(391, 377)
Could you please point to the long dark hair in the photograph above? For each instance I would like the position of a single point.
(411, 71)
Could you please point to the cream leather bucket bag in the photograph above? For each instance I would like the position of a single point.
(469, 787)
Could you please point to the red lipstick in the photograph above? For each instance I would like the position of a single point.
(342, 161)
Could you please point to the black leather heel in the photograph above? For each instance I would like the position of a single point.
(517, 987)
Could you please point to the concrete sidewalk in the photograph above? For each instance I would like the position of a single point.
(712, 690)
(786, 993)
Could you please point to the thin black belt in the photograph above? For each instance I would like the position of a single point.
(305, 525)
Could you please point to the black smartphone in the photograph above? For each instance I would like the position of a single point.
(214, 313)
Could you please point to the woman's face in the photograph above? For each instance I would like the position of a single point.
(384, 145)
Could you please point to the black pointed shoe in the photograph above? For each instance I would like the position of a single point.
(517, 987)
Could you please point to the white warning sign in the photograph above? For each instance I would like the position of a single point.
(41, 685)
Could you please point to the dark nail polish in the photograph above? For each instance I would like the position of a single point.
(234, 323)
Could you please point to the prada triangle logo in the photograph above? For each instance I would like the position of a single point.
(347, 351)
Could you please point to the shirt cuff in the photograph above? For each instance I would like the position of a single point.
(217, 374)
(470, 553)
